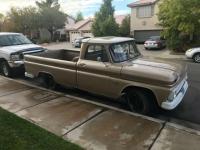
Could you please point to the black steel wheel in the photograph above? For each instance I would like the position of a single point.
(48, 82)
(139, 101)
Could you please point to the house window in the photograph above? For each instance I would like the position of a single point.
(145, 11)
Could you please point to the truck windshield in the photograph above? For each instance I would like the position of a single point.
(15, 39)
(124, 51)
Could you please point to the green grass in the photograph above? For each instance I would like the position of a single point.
(19, 134)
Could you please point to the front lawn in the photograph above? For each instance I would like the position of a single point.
(19, 134)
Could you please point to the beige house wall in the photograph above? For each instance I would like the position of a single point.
(150, 23)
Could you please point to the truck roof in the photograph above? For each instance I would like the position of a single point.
(107, 40)
(8, 33)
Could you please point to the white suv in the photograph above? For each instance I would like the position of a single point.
(193, 53)
(13, 47)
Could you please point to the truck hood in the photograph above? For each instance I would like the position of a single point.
(153, 71)
(20, 48)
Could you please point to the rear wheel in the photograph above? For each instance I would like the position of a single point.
(140, 101)
(5, 69)
(48, 81)
(196, 58)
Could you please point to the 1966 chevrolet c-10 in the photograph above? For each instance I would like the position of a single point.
(113, 67)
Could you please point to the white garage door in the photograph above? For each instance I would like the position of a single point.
(74, 35)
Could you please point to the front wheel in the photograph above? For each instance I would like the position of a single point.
(139, 101)
(5, 69)
(196, 58)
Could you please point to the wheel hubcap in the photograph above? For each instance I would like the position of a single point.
(5, 70)
(197, 58)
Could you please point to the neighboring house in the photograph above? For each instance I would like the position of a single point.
(119, 19)
(80, 29)
(84, 27)
(144, 19)
(69, 24)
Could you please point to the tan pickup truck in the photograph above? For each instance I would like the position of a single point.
(113, 67)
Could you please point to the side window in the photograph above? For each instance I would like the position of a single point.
(96, 53)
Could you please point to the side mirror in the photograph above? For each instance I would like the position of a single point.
(99, 59)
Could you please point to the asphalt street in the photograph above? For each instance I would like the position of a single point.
(189, 109)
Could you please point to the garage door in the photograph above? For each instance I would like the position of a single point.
(141, 36)
(74, 35)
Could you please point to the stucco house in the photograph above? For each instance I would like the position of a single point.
(81, 28)
(144, 19)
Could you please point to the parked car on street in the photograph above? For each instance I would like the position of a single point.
(113, 67)
(193, 53)
(155, 42)
(13, 47)
(78, 41)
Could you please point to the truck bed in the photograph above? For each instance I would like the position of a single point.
(68, 55)
(61, 64)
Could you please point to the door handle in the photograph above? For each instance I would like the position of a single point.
(82, 65)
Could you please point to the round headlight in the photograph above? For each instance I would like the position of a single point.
(15, 57)
(189, 50)
(172, 96)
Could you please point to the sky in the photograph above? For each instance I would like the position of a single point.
(71, 7)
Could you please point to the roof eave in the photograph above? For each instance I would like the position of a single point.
(138, 5)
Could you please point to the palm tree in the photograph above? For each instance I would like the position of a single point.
(48, 4)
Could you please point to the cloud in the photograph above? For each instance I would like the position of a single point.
(5, 5)
(71, 7)
(86, 6)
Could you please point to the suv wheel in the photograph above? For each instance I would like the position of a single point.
(139, 101)
(196, 58)
(5, 69)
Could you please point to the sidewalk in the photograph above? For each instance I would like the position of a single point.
(93, 127)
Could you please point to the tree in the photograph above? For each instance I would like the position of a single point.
(52, 19)
(1, 21)
(124, 29)
(23, 19)
(50, 16)
(104, 23)
(181, 22)
(48, 4)
(79, 16)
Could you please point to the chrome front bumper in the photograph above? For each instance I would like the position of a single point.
(14, 64)
(170, 105)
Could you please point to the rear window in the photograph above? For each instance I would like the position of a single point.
(96, 51)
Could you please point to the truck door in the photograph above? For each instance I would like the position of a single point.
(93, 71)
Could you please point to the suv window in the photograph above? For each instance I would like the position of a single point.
(96, 53)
